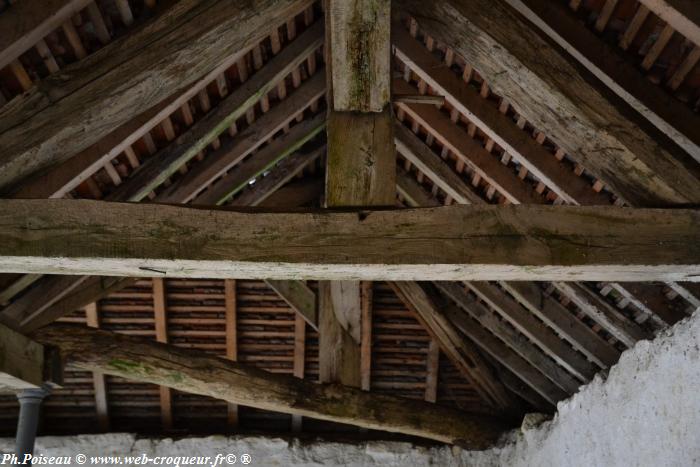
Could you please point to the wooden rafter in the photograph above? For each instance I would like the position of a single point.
(63, 117)
(196, 372)
(40, 306)
(608, 139)
(670, 116)
(28, 22)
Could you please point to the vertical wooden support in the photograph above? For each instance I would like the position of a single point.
(360, 162)
(432, 368)
(159, 310)
(231, 340)
(299, 360)
(99, 382)
(366, 336)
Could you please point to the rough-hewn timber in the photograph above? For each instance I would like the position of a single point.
(139, 359)
(450, 243)
(75, 108)
(554, 91)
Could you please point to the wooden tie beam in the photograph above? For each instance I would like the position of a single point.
(450, 243)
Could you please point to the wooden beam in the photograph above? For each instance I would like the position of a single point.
(359, 33)
(469, 151)
(299, 361)
(556, 316)
(244, 143)
(497, 126)
(682, 15)
(263, 160)
(517, 61)
(431, 371)
(196, 372)
(412, 192)
(98, 379)
(417, 153)
(448, 312)
(618, 72)
(55, 121)
(157, 169)
(25, 23)
(31, 306)
(25, 364)
(230, 302)
(516, 341)
(603, 313)
(366, 301)
(450, 243)
(161, 320)
(463, 354)
(533, 329)
(360, 160)
(44, 304)
(300, 297)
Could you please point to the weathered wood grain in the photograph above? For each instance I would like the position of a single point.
(360, 54)
(449, 243)
(73, 109)
(616, 70)
(361, 159)
(27, 22)
(555, 92)
(139, 359)
(463, 353)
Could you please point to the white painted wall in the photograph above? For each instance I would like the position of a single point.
(646, 413)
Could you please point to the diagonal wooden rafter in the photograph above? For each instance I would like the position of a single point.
(435, 168)
(668, 114)
(28, 22)
(41, 300)
(196, 372)
(463, 354)
(55, 121)
(552, 91)
(515, 142)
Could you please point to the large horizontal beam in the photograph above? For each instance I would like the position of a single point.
(449, 243)
(72, 110)
(195, 372)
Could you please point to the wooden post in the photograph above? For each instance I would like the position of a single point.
(99, 381)
(361, 159)
(159, 310)
(231, 339)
